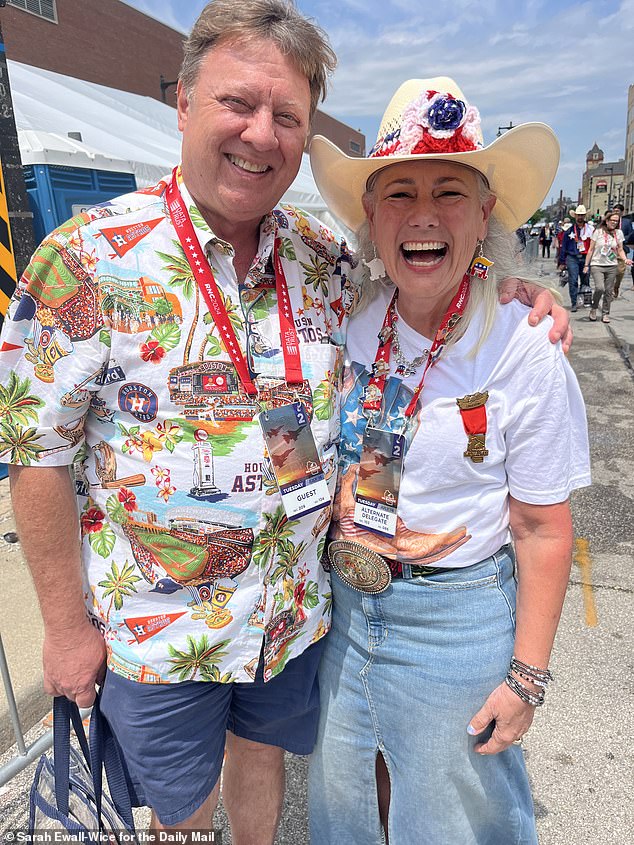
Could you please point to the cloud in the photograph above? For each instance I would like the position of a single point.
(563, 63)
(519, 62)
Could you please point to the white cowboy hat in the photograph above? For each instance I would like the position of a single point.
(580, 209)
(429, 119)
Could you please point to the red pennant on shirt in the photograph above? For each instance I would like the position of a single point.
(144, 627)
(123, 238)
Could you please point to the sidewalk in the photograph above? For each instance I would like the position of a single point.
(21, 630)
(621, 325)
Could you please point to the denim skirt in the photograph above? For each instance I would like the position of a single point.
(402, 674)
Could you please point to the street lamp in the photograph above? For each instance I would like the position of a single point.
(611, 169)
(504, 128)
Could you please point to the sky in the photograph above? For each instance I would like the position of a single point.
(564, 62)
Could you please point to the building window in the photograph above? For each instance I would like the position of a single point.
(601, 188)
(355, 148)
(42, 8)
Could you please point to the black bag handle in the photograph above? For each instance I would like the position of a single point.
(66, 712)
(100, 753)
(105, 755)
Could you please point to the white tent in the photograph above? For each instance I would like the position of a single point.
(119, 131)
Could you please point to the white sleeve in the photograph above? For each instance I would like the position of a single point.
(547, 444)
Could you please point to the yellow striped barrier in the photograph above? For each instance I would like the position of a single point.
(8, 273)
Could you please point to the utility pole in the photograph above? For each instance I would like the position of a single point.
(16, 218)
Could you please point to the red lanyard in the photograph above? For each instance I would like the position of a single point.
(448, 325)
(206, 282)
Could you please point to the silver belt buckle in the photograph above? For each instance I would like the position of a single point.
(359, 567)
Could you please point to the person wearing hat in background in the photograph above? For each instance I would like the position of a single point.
(606, 250)
(625, 225)
(434, 665)
(573, 250)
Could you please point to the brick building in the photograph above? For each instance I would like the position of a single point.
(113, 44)
(602, 184)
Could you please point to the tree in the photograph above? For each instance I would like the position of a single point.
(539, 215)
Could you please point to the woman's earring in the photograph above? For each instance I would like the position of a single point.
(480, 265)
(375, 266)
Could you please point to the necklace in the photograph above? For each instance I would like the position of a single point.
(404, 367)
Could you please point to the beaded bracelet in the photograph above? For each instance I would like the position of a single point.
(527, 695)
(540, 677)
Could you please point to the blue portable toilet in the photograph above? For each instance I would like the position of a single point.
(57, 193)
(64, 176)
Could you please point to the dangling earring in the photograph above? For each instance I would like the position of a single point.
(375, 266)
(480, 265)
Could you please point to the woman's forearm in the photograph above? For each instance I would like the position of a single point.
(543, 543)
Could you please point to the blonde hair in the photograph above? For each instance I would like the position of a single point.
(277, 20)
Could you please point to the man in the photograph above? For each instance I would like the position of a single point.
(573, 250)
(195, 580)
(625, 225)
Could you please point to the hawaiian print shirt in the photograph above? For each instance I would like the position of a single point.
(111, 363)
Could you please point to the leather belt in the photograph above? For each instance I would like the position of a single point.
(368, 571)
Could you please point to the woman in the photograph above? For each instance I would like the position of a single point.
(545, 239)
(606, 247)
(433, 667)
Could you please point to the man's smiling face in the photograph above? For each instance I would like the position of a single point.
(244, 129)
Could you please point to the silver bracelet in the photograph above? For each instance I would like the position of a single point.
(536, 699)
(540, 677)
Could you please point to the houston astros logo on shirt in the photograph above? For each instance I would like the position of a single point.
(138, 400)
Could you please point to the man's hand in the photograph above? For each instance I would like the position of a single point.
(74, 661)
(512, 717)
(543, 303)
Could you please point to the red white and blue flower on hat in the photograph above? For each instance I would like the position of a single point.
(434, 122)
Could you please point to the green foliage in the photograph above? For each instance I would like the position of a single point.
(119, 584)
(20, 442)
(163, 306)
(539, 215)
(287, 250)
(115, 509)
(17, 405)
(168, 335)
(102, 541)
(197, 660)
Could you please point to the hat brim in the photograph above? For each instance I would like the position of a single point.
(520, 167)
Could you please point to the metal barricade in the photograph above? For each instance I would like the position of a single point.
(532, 249)
(25, 754)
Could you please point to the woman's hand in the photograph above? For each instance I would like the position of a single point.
(512, 717)
(543, 303)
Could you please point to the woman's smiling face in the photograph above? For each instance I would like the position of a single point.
(425, 220)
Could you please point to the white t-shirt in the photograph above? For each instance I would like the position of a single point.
(454, 512)
(605, 247)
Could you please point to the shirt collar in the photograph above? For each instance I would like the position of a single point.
(208, 240)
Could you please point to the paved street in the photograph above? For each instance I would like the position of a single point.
(580, 751)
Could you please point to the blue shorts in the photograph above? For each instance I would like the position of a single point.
(172, 736)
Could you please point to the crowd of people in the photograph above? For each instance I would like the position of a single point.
(594, 251)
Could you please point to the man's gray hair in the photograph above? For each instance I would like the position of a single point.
(295, 36)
